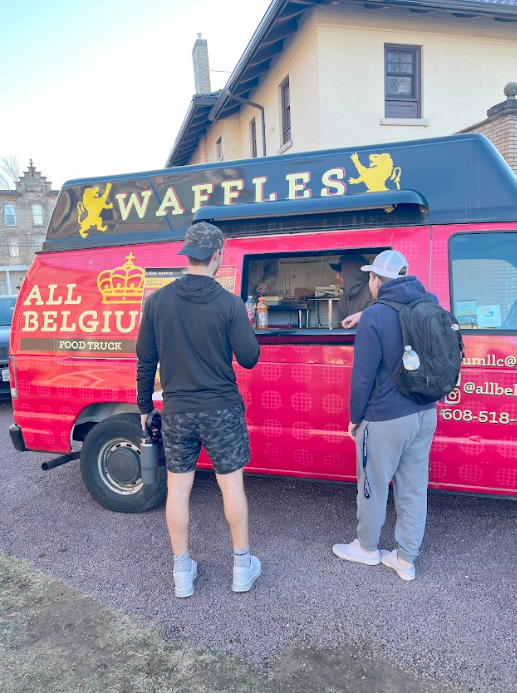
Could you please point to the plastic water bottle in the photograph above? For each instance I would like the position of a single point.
(262, 317)
(250, 307)
(410, 359)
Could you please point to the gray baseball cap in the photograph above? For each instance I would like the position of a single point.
(201, 240)
(387, 264)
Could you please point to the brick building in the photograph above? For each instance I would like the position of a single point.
(501, 125)
(25, 213)
(319, 74)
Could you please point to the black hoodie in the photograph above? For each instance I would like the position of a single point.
(356, 295)
(192, 327)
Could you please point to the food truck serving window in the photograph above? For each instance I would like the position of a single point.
(304, 291)
(484, 280)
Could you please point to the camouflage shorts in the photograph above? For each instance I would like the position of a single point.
(223, 433)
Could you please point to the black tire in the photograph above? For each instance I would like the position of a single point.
(110, 467)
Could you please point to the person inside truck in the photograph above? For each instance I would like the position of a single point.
(353, 318)
(262, 276)
(356, 295)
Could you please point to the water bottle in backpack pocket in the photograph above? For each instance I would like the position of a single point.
(430, 364)
(410, 359)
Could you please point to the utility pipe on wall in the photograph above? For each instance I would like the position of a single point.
(262, 117)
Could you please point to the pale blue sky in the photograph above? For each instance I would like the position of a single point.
(101, 87)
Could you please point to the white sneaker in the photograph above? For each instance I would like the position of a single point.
(390, 559)
(244, 578)
(184, 580)
(355, 552)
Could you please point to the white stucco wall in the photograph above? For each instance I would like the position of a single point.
(465, 65)
(335, 63)
(200, 154)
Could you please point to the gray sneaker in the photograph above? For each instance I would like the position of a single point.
(354, 552)
(244, 578)
(184, 580)
(391, 560)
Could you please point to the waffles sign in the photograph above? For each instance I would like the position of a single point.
(60, 315)
(175, 200)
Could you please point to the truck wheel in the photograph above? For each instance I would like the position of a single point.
(110, 467)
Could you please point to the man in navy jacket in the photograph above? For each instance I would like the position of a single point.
(393, 434)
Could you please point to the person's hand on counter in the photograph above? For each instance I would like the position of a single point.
(351, 321)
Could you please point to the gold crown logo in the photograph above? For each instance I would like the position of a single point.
(123, 284)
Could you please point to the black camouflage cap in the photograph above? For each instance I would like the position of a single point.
(201, 240)
(354, 257)
(337, 267)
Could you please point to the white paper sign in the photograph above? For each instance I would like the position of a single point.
(466, 312)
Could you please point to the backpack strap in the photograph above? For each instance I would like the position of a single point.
(377, 387)
(427, 299)
(391, 304)
(398, 307)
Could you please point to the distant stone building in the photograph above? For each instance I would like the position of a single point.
(24, 216)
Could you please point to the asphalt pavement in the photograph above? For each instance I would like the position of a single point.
(454, 626)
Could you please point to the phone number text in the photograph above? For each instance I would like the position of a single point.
(492, 417)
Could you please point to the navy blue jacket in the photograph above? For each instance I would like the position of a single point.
(379, 339)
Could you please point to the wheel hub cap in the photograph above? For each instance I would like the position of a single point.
(119, 467)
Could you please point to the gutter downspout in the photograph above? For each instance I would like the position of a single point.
(262, 117)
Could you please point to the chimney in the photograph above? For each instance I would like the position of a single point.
(201, 66)
(501, 125)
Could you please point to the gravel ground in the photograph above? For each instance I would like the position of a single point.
(454, 625)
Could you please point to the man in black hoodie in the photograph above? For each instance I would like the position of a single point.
(393, 434)
(193, 327)
(356, 295)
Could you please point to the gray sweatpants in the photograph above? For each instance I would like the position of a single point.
(397, 449)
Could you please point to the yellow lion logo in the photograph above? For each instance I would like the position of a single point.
(378, 172)
(93, 205)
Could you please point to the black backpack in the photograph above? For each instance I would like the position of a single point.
(435, 335)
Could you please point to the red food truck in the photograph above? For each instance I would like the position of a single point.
(448, 204)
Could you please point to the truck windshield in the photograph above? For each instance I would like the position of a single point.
(7, 310)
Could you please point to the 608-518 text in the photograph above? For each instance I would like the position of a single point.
(492, 417)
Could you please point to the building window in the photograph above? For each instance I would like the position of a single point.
(38, 241)
(402, 78)
(14, 247)
(37, 214)
(484, 280)
(253, 137)
(9, 215)
(286, 111)
(219, 149)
